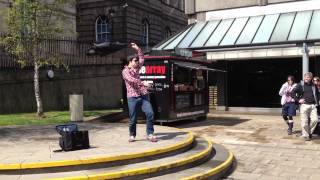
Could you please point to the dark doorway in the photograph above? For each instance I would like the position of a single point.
(256, 83)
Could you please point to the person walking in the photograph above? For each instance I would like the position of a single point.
(288, 103)
(307, 94)
(137, 95)
(316, 82)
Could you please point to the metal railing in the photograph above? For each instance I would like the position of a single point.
(69, 52)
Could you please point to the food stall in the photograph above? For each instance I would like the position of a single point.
(179, 87)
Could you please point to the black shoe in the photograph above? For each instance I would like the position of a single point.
(307, 138)
(289, 131)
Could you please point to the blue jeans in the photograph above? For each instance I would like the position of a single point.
(133, 104)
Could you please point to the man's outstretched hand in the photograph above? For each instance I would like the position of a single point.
(134, 46)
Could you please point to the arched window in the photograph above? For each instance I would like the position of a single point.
(167, 32)
(145, 32)
(103, 33)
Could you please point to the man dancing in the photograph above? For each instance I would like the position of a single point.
(137, 95)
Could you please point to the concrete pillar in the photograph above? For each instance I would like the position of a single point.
(305, 59)
(190, 7)
(76, 107)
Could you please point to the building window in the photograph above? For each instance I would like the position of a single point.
(103, 33)
(167, 32)
(145, 32)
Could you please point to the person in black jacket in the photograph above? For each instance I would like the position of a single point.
(307, 95)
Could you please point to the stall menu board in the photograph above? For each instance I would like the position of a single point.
(182, 101)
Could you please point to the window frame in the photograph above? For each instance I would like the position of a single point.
(107, 32)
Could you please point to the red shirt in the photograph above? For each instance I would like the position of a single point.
(131, 77)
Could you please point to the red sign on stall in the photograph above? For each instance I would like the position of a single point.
(153, 70)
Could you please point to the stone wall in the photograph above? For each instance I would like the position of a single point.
(100, 85)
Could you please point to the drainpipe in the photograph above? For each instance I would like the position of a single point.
(305, 59)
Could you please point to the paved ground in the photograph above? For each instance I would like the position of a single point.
(22, 144)
(259, 142)
(261, 146)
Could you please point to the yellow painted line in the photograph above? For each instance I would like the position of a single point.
(145, 170)
(37, 165)
(9, 166)
(213, 171)
(49, 164)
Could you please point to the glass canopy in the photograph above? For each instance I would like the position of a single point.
(283, 28)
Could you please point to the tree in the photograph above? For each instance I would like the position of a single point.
(30, 23)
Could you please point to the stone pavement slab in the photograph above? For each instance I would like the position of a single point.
(261, 146)
(25, 144)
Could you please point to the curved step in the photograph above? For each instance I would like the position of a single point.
(202, 150)
(167, 150)
(215, 168)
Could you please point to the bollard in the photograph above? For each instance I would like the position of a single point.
(76, 107)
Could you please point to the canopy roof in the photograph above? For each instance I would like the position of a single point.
(196, 66)
(270, 29)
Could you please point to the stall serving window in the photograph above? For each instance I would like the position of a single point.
(182, 87)
(199, 84)
(189, 86)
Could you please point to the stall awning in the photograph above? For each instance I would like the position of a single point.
(270, 29)
(196, 66)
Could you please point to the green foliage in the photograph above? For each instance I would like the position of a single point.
(30, 23)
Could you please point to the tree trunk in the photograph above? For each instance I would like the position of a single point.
(37, 90)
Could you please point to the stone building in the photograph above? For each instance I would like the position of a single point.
(98, 78)
(146, 22)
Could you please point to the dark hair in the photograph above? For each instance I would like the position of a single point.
(292, 78)
(134, 57)
(126, 61)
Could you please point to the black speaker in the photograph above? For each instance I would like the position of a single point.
(74, 141)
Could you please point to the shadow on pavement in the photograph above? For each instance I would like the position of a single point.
(42, 133)
(219, 121)
(113, 117)
(169, 135)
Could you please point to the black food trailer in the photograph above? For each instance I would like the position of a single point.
(179, 87)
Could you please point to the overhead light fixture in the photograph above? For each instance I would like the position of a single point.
(125, 5)
(91, 51)
(50, 74)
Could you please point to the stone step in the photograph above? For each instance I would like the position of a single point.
(105, 150)
(197, 154)
(215, 168)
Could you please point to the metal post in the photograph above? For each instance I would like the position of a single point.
(305, 59)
